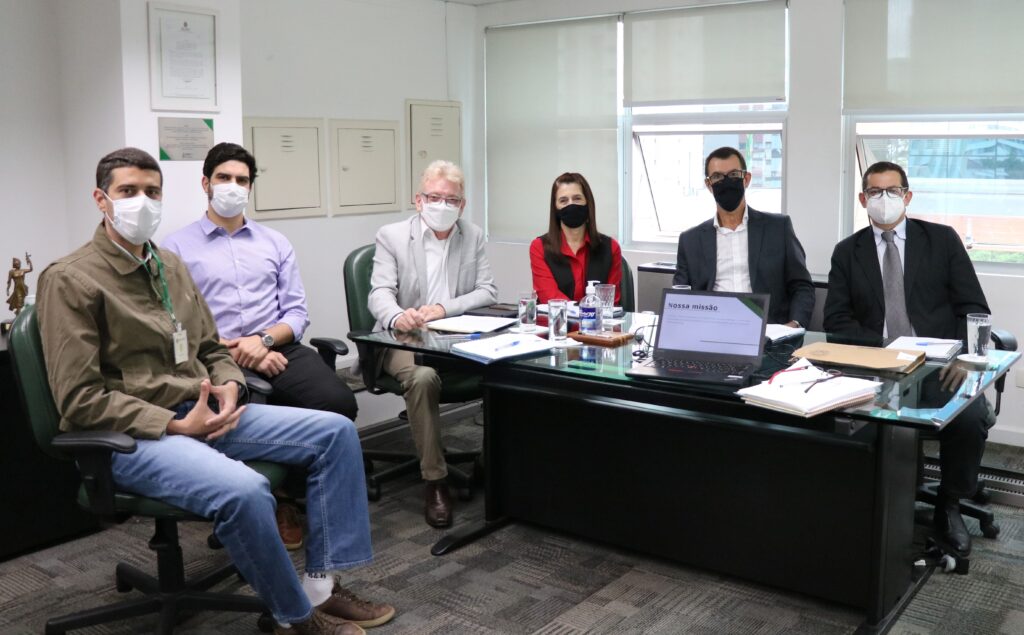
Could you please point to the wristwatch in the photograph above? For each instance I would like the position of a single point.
(266, 338)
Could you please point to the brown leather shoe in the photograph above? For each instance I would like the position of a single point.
(289, 525)
(437, 504)
(346, 605)
(320, 623)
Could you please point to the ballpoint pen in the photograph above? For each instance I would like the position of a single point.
(459, 336)
(509, 345)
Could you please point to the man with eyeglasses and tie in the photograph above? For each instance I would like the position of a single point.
(903, 276)
(741, 249)
(431, 266)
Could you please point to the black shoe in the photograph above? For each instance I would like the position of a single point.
(950, 525)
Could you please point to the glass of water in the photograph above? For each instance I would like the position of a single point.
(527, 311)
(558, 320)
(606, 293)
(979, 333)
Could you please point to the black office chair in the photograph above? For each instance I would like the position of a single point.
(977, 506)
(627, 292)
(456, 386)
(169, 593)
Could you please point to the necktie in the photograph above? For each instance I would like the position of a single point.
(896, 321)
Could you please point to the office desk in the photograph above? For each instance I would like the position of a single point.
(37, 492)
(821, 506)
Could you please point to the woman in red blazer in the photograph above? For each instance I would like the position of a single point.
(573, 251)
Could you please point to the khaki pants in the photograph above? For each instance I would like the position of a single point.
(422, 395)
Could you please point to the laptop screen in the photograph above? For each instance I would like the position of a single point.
(708, 322)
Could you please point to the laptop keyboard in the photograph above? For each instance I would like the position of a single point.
(701, 367)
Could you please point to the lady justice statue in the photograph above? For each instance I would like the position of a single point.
(16, 276)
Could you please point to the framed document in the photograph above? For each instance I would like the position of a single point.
(182, 58)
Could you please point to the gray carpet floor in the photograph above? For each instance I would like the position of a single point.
(521, 579)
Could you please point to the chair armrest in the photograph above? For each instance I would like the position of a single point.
(330, 348)
(94, 440)
(259, 388)
(1004, 340)
(92, 450)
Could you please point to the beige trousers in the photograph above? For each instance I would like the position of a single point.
(422, 395)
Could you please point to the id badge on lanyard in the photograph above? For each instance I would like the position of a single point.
(179, 336)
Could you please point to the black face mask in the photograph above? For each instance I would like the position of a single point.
(573, 215)
(728, 193)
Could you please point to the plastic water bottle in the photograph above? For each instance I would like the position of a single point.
(590, 310)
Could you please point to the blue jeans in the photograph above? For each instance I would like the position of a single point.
(209, 480)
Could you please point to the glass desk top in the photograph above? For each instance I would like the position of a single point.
(916, 398)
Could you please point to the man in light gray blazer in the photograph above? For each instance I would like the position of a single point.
(742, 249)
(430, 266)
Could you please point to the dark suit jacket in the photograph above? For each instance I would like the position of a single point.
(777, 264)
(938, 277)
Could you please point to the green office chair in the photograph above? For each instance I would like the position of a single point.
(456, 386)
(168, 593)
(628, 293)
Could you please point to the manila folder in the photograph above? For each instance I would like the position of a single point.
(891, 359)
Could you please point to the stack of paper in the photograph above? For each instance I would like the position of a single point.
(489, 349)
(805, 390)
(470, 324)
(933, 347)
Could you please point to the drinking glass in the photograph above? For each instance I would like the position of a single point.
(558, 323)
(527, 311)
(606, 293)
(979, 333)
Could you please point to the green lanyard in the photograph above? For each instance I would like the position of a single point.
(163, 291)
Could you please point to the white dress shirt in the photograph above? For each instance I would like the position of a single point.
(901, 246)
(732, 270)
(436, 251)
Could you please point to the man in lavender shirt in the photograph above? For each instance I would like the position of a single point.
(249, 277)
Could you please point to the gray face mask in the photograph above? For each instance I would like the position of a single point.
(136, 219)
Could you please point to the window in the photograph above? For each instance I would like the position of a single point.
(965, 174)
(665, 181)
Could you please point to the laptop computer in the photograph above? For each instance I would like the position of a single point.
(707, 336)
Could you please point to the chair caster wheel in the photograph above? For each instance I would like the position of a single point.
(982, 496)
(373, 492)
(265, 623)
(990, 530)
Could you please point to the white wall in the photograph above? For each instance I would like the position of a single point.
(32, 177)
(184, 200)
(351, 60)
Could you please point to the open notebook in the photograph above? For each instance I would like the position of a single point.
(805, 390)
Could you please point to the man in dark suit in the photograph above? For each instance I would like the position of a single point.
(903, 276)
(742, 249)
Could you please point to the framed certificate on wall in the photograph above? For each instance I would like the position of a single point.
(183, 58)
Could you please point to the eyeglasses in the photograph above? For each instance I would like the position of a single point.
(830, 374)
(437, 198)
(715, 177)
(891, 192)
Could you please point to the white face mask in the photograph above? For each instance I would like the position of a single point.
(440, 216)
(885, 210)
(136, 219)
(229, 199)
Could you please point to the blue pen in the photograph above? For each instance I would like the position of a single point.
(509, 345)
(459, 336)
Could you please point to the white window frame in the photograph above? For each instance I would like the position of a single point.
(723, 119)
(850, 187)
